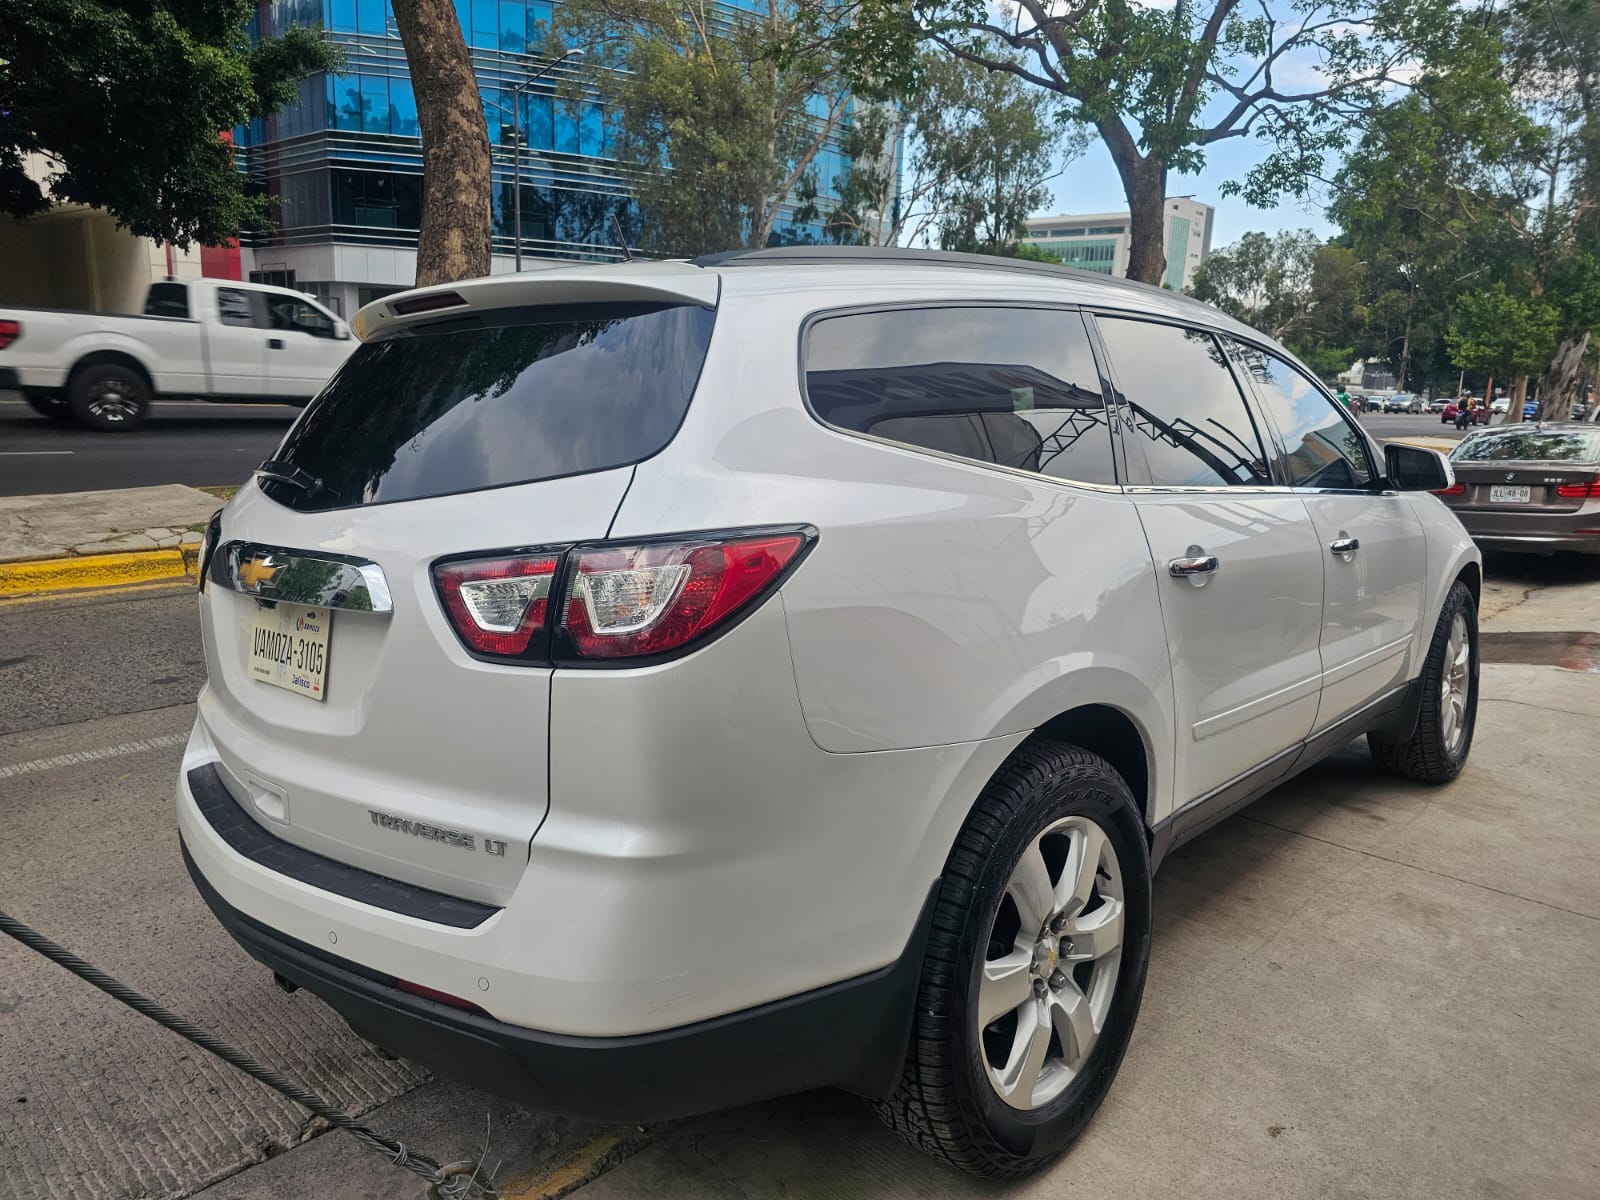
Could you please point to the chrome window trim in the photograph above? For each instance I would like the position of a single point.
(353, 584)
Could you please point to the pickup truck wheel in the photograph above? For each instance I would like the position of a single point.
(49, 404)
(1437, 750)
(109, 397)
(1034, 967)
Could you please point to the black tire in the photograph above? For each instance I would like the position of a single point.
(944, 1103)
(49, 404)
(1429, 755)
(109, 397)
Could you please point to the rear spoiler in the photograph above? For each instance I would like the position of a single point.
(668, 282)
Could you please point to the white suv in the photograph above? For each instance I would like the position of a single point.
(646, 688)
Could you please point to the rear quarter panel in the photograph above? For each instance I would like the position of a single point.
(945, 602)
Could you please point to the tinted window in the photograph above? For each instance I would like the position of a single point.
(1529, 445)
(167, 300)
(288, 313)
(1188, 415)
(1325, 450)
(234, 307)
(513, 396)
(1014, 387)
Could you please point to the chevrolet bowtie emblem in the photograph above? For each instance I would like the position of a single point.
(257, 571)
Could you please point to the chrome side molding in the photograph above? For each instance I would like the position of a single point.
(274, 574)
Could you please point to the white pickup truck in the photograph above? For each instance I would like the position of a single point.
(208, 339)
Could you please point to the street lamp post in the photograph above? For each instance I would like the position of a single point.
(516, 149)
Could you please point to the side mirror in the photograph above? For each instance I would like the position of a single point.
(341, 331)
(1415, 469)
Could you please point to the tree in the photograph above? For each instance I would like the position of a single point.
(980, 146)
(1502, 334)
(127, 102)
(720, 134)
(1302, 291)
(454, 241)
(1160, 86)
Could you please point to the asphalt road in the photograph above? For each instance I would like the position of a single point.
(185, 442)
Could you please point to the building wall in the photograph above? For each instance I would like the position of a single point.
(1101, 241)
(344, 162)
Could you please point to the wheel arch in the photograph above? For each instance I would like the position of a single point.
(1112, 734)
(121, 358)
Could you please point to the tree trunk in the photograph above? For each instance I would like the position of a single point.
(1558, 386)
(1144, 182)
(1405, 349)
(1519, 397)
(454, 240)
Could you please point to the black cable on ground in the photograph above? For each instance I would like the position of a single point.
(395, 1151)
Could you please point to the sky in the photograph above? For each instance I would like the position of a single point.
(1090, 184)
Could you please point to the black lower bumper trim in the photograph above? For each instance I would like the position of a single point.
(850, 1035)
(247, 837)
(9, 381)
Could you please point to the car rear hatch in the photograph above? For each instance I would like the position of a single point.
(391, 745)
(1526, 470)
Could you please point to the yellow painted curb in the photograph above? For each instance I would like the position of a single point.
(97, 570)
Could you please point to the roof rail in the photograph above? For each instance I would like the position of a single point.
(903, 256)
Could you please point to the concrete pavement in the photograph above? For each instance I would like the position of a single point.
(1359, 988)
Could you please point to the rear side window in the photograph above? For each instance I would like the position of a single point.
(511, 396)
(1013, 387)
(234, 307)
(167, 300)
(1528, 445)
(1324, 448)
(1188, 414)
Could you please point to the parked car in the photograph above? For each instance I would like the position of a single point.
(1437, 404)
(1580, 411)
(1534, 489)
(1500, 405)
(1403, 402)
(1530, 410)
(814, 717)
(1480, 415)
(208, 339)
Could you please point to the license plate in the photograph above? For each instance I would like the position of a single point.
(287, 646)
(1509, 495)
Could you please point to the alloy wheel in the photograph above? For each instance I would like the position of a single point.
(1051, 968)
(110, 402)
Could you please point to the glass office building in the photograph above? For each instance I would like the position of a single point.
(344, 163)
(1100, 241)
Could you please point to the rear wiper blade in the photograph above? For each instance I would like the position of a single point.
(287, 472)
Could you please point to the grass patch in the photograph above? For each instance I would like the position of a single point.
(225, 492)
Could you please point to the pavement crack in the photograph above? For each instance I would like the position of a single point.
(1400, 862)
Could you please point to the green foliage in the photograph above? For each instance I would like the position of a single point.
(1161, 84)
(719, 134)
(130, 99)
(1500, 333)
(1028, 252)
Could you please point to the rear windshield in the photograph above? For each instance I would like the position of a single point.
(511, 396)
(1529, 445)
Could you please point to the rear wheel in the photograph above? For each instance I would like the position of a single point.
(1438, 747)
(109, 397)
(49, 404)
(1034, 969)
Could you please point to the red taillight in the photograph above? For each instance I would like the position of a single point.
(632, 601)
(428, 993)
(10, 331)
(1580, 491)
(1457, 489)
(498, 605)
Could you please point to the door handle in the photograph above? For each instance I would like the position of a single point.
(1196, 568)
(1344, 547)
(274, 343)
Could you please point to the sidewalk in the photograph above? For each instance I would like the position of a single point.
(96, 539)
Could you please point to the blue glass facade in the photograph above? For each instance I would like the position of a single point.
(344, 163)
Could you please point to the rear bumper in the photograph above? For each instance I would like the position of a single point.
(850, 1035)
(9, 381)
